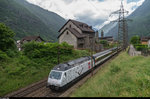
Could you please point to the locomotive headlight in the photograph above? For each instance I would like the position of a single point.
(55, 82)
(58, 83)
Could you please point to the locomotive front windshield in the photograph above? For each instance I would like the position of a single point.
(55, 75)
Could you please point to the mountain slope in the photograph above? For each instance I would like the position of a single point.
(51, 19)
(24, 22)
(141, 22)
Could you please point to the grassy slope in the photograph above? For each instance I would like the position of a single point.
(125, 76)
(18, 72)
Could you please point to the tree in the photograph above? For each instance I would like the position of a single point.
(6, 38)
(135, 40)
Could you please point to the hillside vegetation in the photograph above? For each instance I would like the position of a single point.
(26, 19)
(125, 76)
(52, 20)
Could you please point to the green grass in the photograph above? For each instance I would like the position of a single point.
(20, 71)
(125, 76)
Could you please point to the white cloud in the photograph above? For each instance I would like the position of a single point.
(92, 12)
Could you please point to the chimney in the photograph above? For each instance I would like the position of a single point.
(81, 25)
(86, 26)
(90, 27)
(97, 36)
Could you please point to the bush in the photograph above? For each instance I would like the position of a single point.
(141, 47)
(12, 53)
(65, 48)
(135, 40)
(3, 56)
(81, 53)
(17, 71)
(105, 43)
(41, 50)
(6, 38)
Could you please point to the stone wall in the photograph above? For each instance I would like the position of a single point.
(69, 38)
(149, 43)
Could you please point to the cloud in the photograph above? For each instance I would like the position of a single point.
(92, 12)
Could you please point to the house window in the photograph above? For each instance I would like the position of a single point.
(67, 33)
(80, 46)
(70, 26)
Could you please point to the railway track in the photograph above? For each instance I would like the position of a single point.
(39, 89)
(35, 90)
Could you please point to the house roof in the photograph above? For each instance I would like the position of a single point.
(82, 26)
(31, 38)
(145, 39)
(74, 32)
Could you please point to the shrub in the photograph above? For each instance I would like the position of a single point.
(12, 53)
(135, 40)
(41, 50)
(15, 70)
(81, 53)
(105, 43)
(6, 38)
(141, 47)
(3, 56)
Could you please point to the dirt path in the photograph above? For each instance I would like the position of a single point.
(133, 52)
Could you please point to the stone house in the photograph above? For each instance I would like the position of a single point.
(18, 45)
(78, 34)
(28, 39)
(31, 38)
(145, 40)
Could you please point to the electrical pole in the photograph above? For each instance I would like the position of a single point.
(92, 50)
(58, 53)
(122, 27)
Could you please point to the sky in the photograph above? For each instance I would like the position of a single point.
(93, 12)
